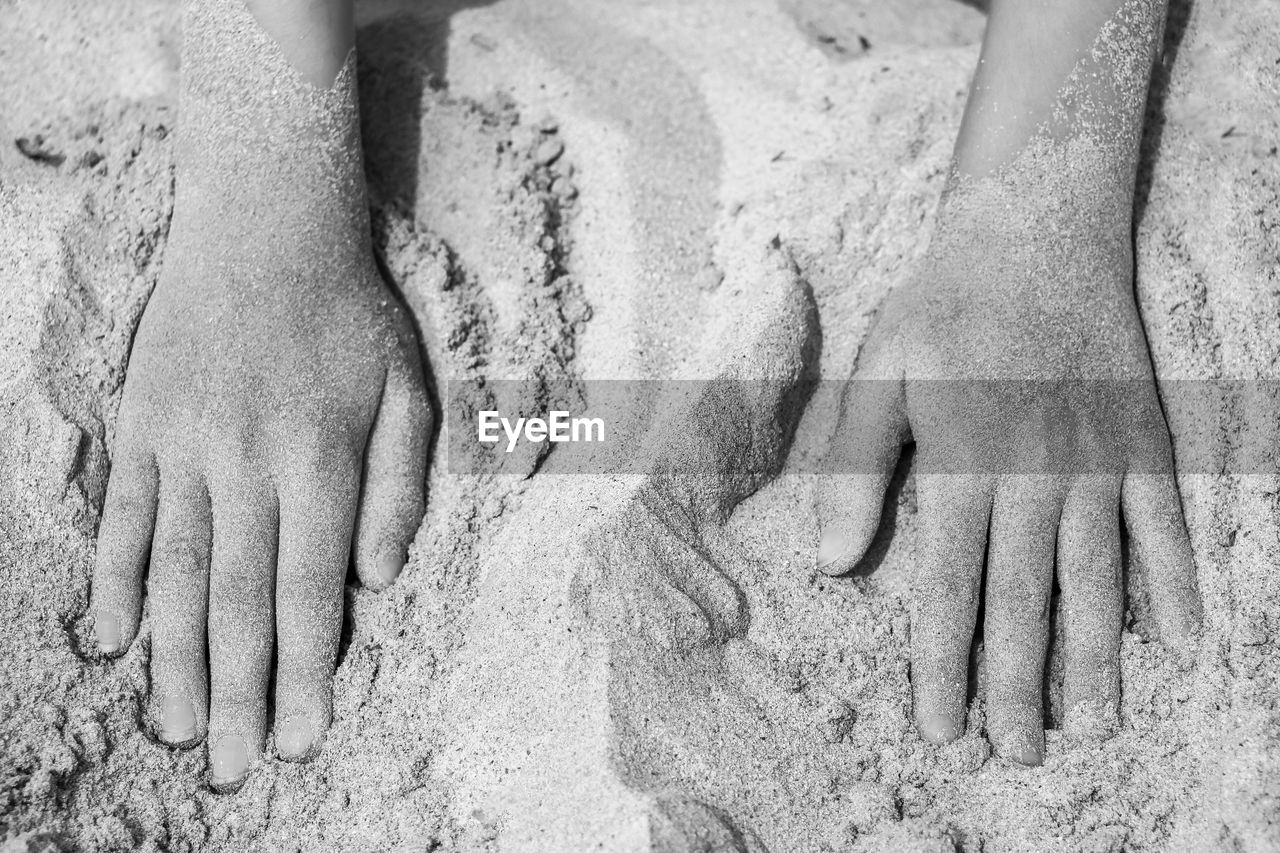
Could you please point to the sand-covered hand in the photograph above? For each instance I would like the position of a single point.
(1017, 363)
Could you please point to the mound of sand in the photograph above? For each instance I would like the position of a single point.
(649, 661)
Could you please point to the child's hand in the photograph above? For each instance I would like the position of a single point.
(271, 413)
(1026, 472)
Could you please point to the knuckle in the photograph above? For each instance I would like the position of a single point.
(328, 464)
(241, 634)
(183, 555)
(393, 520)
(175, 452)
(234, 624)
(176, 652)
(1017, 589)
(235, 708)
(241, 597)
(1093, 658)
(307, 648)
(114, 564)
(302, 685)
(315, 450)
(947, 590)
(312, 585)
(171, 591)
(238, 448)
(1099, 575)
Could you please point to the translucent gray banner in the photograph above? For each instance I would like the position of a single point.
(992, 427)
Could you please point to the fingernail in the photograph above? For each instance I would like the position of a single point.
(1021, 750)
(229, 759)
(939, 728)
(295, 738)
(177, 721)
(1029, 756)
(107, 630)
(390, 564)
(831, 548)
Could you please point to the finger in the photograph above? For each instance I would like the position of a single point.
(241, 625)
(864, 451)
(395, 464)
(1092, 606)
(179, 590)
(954, 512)
(1024, 532)
(316, 517)
(124, 540)
(1153, 516)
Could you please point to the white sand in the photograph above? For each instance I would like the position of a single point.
(489, 701)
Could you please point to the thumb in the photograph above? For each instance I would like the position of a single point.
(856, 472)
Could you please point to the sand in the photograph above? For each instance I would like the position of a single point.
(647, 661)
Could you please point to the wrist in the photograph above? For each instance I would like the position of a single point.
(269, 167)
(1060, 71)
(1053, 201)
(315, 35)
(267, 162)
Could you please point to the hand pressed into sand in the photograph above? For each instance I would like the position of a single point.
(242, 442)
(274, 422)
(1017, 363)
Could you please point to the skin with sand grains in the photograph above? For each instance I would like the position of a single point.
(1028, 280)
(274, 420)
